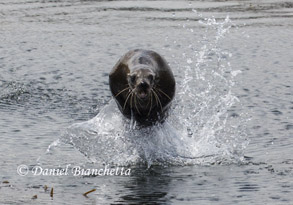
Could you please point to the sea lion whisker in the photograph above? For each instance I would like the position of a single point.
(122, 91)
(151, 103)
(130, 94)
(131, 99)
(139, 102)
(135, 100)
(155, 97)
(158, 89)
(148, 100)
(158, 100)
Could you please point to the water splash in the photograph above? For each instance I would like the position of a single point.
(205, 95)
(199, 129)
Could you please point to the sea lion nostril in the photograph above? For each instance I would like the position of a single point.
(144, 85)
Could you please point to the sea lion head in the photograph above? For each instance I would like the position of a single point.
(141, 81)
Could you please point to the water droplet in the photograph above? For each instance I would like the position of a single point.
(189, 61)
(235, 72)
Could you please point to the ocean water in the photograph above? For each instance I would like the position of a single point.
(228, 137)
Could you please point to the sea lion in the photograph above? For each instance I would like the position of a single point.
(143, 86)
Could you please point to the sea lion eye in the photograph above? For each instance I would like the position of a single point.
(132, 78)
(151, 77)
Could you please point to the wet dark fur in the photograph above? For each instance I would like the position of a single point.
(143, 86)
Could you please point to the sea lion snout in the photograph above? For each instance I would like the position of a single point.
(144, 85)
(143, 90)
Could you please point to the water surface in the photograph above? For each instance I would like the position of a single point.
(228, 139)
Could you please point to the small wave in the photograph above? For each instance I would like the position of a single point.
(14, 91)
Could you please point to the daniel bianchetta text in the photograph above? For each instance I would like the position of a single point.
(74, 171)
